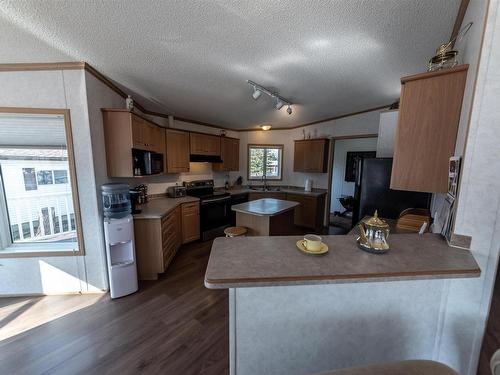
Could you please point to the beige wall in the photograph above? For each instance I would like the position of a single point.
(365, 123)
(66, 274)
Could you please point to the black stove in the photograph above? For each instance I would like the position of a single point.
(215, 207)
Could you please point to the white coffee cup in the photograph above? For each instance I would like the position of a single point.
(312, 242)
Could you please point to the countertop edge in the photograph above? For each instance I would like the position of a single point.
(265, 215)
(284, 190)
(187, 199)
(330, 279)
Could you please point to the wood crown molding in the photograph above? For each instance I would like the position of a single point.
(459, 20)
(81, 65)
(320, 121)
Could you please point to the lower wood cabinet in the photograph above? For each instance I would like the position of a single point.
(310, 211)
(190, 222)
(157, 240)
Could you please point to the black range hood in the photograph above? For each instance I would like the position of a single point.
(205, 158)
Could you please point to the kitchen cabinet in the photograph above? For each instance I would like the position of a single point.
(311, 155)
(156, 243)
(124, 130)
(230, 155)
(427, 128)
(147, 135)
(204, 144)
(177, 154)
(310, 212)
(190, 222)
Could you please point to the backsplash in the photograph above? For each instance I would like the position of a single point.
(198, 171)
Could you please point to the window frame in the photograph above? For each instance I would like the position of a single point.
(8, 249)
(265, 146)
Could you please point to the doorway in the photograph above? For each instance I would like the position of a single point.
(346, 151)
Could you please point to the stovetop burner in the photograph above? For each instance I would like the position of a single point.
(203, 189)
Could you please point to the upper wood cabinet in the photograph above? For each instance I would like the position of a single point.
(427, 128)
(123, 131)
(311, 155)
(230, 155)
(147, 135)
(177, 151)
(204, 144)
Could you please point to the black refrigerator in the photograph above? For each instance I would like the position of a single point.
(372, 192)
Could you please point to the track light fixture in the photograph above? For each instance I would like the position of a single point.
(256, 93)
(280, 101)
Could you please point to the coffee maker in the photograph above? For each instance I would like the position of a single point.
(138, 197)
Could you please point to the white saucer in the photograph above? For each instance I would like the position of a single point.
(322, 250)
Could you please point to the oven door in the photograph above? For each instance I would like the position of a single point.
(214, 213)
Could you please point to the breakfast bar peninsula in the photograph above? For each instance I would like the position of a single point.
(294, 313)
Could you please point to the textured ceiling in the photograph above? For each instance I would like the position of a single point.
(192, 58)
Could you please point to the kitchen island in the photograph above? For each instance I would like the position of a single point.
(293, 313)
(266, 217)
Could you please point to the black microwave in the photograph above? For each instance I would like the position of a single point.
(146, 163)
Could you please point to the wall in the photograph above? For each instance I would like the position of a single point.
(339, 185)
(365, 123)
(469, 50)
(66, 274)
(478, 210)
(387, 133)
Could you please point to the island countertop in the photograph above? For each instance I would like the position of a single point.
(272, 261)
(265, 207)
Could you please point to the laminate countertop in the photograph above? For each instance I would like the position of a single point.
(272, 261)
(265, 207)
(158, 207)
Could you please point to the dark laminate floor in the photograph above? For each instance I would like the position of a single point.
(171, 326)
(491, 340)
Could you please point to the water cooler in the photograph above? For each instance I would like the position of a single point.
(119, 238)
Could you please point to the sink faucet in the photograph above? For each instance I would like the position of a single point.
(264, 180)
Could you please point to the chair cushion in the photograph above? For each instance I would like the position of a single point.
(414, 367)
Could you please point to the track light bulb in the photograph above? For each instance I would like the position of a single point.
(256, 93)
(289, 110)
(279, 104)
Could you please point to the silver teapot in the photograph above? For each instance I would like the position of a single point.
(373, 235)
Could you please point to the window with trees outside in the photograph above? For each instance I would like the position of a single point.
(265, 161)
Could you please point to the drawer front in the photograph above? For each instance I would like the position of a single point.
(191, 207)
